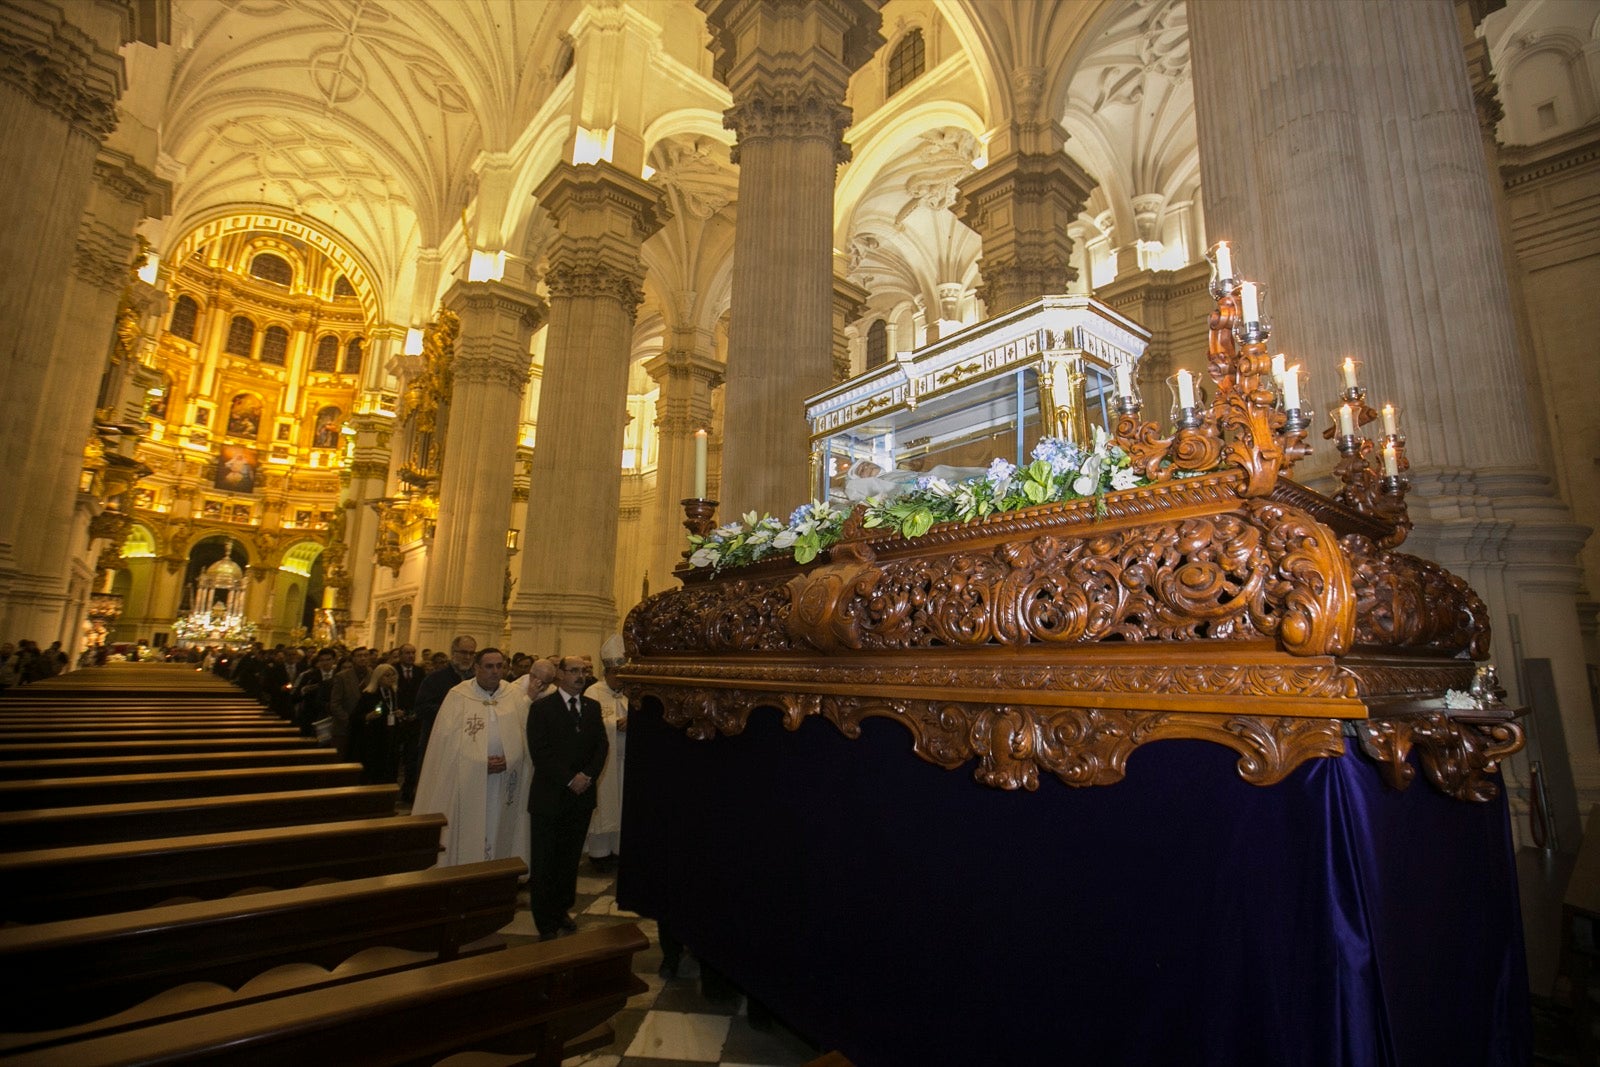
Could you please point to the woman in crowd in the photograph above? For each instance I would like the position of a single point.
(373, 731)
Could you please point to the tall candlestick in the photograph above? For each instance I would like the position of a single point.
(1291, 387)
(1277, 367)
(1347, 421)
(1350, 373)
(1391, 461)
(1124, 380)
(700, 464)
(1185, 389)
(1249, 308)
(1389, 421)
(1224, 260)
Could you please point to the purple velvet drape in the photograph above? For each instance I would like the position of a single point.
(904, 914)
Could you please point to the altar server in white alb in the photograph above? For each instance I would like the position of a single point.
(605, 829)
(476, 771)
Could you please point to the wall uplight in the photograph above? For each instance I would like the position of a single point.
(486, 266)
(591, 146)
(413, 342)
(152, 265)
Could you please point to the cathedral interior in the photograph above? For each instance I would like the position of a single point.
(411, 311)
(381, 322)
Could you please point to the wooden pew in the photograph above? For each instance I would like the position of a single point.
(28, 750)
(94, 824)
(84, 970)
(163, 762)
(48, 736)
(530, 999)
(33, 793)
(45, 885)
(134, 718)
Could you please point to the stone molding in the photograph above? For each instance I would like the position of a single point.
(101, 256)
(587, 274)
(61, 70)
(489, 370)
(790, 113)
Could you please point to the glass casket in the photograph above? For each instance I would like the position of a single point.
(991, 390)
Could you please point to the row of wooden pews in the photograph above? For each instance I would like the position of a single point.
(185, 878)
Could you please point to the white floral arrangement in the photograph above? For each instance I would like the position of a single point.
(1059, 471)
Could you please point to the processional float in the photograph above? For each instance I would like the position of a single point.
(1214, 599)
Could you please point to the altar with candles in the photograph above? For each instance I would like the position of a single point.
(1124, 747)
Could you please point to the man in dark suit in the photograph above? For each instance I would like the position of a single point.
(567, 742)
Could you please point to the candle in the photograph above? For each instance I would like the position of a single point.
(1277, 367)
(1185, 389)
(1124, 380)
(1247, 298)
(1391, 461)
(1224, 260)
(1291, 387)
(1347, 422)
(1389, 420)
(700, 464)
(1349, 373)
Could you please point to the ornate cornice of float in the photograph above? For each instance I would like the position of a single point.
(1056, 640)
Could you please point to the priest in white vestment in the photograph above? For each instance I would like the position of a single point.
(476, 771)
(605, 829)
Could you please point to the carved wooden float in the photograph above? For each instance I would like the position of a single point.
(1230, 605)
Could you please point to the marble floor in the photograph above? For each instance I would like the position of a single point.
(674, 1023)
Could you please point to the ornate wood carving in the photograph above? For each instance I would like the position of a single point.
(1015, 743)
(1058, 639)
(1459, 753)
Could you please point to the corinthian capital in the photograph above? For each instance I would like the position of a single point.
(788, 64)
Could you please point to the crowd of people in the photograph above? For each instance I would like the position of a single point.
(521, 754)
(26, 662)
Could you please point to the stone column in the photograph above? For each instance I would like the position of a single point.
(60, 427)
(788, 66)
(564, 600)
(368, 481)
(1371, 220)
(685, 379)
(60, 78)
(1021, 206)
(465, 588)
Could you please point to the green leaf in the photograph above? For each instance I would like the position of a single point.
(804, 553)
(917, 523)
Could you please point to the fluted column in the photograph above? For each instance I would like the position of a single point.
(60, 78)
(465, 590)
(1021, 206)
(685, 380)
(564, 601)
(1372, 222)
(368, 481)
(788, 66)
(60, 427)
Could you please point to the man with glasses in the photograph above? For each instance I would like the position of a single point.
(567, 743)
(475, 772)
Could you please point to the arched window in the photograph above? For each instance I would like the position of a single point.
(906, 62)
(327, 360)
(352, 356)
(271, 268)
(877, 344)
(241, 334)
(342, 289)
(185, 316)
(275, 346)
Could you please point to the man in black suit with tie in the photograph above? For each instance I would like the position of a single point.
(567, 741)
